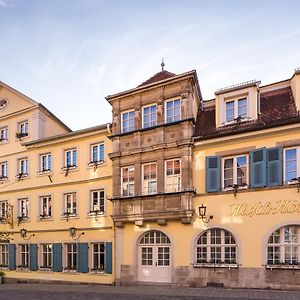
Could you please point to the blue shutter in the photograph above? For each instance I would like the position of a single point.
(33, 263)
(213, 174)
(82, 257)
(274, 166)
(57, 257)
(258, 168)
(11, 256)
(108, 257)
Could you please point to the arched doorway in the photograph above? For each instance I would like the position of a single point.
(154, 257)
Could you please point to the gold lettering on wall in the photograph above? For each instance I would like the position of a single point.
(264, 208)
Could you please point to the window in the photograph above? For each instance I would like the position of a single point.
(128, 181)
(22, 129)
(97, 201)
(46, 256)
(128, 121)
(235, 171)
(45, 206)
(3, 170)
(149, 179)
(23, 208)
(97, 153)
(173, 176)
(149, 116)
(70, 204)
(3, 134)
(24, 255)
(235, 109)
(3, 209)
(291, 164)
(23, 167)
(216, 246)
(71, 256)
(284, 246)
(70, 158)
(98, 250)
(3, 255)
(173, 113)
(45, 162)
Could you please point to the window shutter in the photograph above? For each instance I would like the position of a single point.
(82, 257)
(11, 257)
(258, 168)
(213, 174)
(33, 264)
(274, 166)
(108, 257)
(57, 257)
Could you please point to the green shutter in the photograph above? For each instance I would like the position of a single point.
(258, 168)
(108, 258)
(57, 257)
(274, 166)
(11, 256)
(33, 263)
(82, 258)
(213, 174)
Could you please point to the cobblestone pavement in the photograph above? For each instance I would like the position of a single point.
(101, 292)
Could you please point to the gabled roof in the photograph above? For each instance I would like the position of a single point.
(277, 107)
(158, 77)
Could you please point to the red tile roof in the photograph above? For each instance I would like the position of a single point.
(158, 77)
(276, 108)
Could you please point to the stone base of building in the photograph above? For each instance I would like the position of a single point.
(253, 278)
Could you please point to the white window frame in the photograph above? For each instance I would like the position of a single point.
(235, 108)
(23, 128)
(4, 134)
(72, 156)
(98, 159)
(46, 210)
(235, 171)
(100, 207)
(98, 253)
(49, 256)
(25, 251)
(72, 268)
(174, 175)
(3, 208)
(165, 106)
(221, 245)
(3, 170)
(297, 164)
(143, 116)
(129, 183)
(73, 210)
(23, 163)
(148, 192)
(129, 128)
(48, 165)
(3, 256)
(23, 207)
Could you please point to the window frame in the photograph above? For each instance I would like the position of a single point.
(130, 129)
(234, 157)
(4, 168)
(42, 264)
(21, 207)
(20, 172)
(235, 109)
(99, 160)
(73, 254)
(4, 254)
(165, 108)
(41, 167)
(297, 164)
(128, 182)
(166, 176)
(99, 211)
(23, 132)
(143, 180)
(65, 206)
(49, 208)
(3, 208)
(5, 134)
(143, 115)
(23, 264)
(72, 151)
(92, 261)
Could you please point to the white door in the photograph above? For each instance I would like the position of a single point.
(154, 257)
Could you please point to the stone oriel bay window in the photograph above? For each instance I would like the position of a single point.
(172, 175)
(149, 174)
(127, 181)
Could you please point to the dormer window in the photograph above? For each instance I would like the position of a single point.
(235, 109)
(128, 121)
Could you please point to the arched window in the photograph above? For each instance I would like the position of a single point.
(216, 246)
(154, 237)
(284, 246)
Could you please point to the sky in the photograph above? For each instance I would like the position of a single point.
(70, 54)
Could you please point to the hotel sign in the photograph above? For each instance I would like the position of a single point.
(265, 208)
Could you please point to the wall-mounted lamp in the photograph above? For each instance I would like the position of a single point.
(202, 214)
(73, 232)
(23, 233)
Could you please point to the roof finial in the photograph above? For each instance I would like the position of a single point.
(162, 64)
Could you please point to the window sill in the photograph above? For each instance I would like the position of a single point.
(65, 170)
(22, 138)
(93, 214)
(235, 121)
(212, 265)
(285, 267)
(23, 269)
(45, 218)
(73, 272)
(98, 273)
(23, 177)
(4, 142)
(71, 216)
(4, 179)
(45, 269)
(230, 189)
(44, 173)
